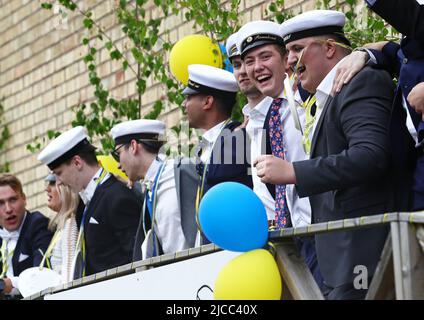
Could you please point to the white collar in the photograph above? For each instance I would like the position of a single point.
(263, 106)
(246, 110)
(12, 235)
(324, 88)
(87, 193)
(152, 172)
(212, 134)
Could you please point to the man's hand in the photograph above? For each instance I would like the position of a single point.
(244, 124)
(7, 285)
(416, 98)
(347, 69)
(274, 170)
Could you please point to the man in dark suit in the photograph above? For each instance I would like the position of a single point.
(210, 98)
(24, 236)
(109, 219)
(405, 61)
(170, 188)
(221, 154)
(347, 175)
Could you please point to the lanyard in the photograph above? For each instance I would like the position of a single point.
(81, 239)
(4, 257)
(152, 207)
(47, 255)
(202, 178)
(309, 123)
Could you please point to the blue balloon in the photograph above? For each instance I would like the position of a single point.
(227, 63)
(233, 217)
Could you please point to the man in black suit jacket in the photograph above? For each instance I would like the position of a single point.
(24, 236)
(347, 175)
(221, 154)
(210, 98)
(109, 220)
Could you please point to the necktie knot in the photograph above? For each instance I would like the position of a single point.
(6, 235)
(277, 102)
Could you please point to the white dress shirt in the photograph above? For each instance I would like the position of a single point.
(13, 238)
(208, 141)
(87, 193)
(322, 94)
(300, 208)
(168, 216)
(257, 135)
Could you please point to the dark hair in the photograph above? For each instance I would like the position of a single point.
(13, 182)
(88, 154)
(152, 147)
(226, 104)
(281, 49)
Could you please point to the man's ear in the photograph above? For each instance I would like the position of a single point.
(78, 162)
(330, 46)
(134, 147)
(208, 102)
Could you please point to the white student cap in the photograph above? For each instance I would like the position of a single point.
(231, 46)
(142, 129)
(257, 33)
(210, 80)
(64, 147)
(314, 23)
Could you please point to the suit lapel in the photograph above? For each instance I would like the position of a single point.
(17, 251)
(96, 197)
(319, 123)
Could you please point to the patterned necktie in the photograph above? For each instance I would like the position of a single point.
(200, 166)
(278, 150)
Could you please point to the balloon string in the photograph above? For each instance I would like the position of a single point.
(272, 249)
(200, 289)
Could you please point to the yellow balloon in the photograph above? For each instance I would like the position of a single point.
(193, 49)
(110, 165)
(254, 275)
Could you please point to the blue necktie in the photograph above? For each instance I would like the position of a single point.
(282, 215)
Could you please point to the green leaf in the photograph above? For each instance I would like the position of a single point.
(116, 55)
(88, 23)
(109, 45)
(46, 5)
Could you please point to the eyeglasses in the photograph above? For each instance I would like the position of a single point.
(116, 154)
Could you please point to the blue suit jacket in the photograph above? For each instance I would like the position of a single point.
(229, 160)
(406, 62)
(34, 236)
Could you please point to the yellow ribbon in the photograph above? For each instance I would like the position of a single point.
(4, 257)
(47, 255)
(309, 123)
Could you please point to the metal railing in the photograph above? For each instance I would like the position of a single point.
(402, 259)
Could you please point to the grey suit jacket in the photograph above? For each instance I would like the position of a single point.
(186, 182)
(348, 174)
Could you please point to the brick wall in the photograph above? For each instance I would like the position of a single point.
(42, 75)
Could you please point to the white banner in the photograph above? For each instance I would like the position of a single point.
(176, 281)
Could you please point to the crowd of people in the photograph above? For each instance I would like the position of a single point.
(327, 136)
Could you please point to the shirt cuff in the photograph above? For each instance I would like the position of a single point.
(371, 57)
